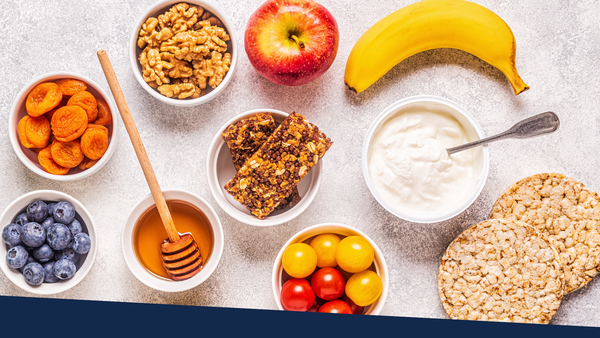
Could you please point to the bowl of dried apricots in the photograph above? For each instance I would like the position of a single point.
(183, 53)
(61, 126)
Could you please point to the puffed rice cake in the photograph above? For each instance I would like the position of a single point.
(566, 212)
(501, 270)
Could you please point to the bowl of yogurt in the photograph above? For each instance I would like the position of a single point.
(407, 168)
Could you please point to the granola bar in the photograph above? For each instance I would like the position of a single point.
(271, 173)
(245, 137)
(501, 270)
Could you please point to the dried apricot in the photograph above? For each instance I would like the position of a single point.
(62, 103)
(37, 131)
(66, 154)
(70, 87)
(104, 116)
(87, 163)
(68, 123)
(46, 161)
(94, 143)
(99, 127)
(88, 102)
(22, 135)
(42, 98)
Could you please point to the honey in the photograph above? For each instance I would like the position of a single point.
(149, 233)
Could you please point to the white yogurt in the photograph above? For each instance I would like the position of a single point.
(410, 168)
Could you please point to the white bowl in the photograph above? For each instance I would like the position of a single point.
(140, 271)
(339, 229)
(471, 127)
(85, 261)
(161, 7)
(29, 157)
(220, 170)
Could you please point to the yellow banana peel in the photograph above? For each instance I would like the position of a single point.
(431, 24)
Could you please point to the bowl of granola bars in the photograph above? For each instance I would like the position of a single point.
(264, 166)
(183, 53)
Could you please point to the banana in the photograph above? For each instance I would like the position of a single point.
(431, 24)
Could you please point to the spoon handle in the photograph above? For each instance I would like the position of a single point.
(541, 124)
(140, 151)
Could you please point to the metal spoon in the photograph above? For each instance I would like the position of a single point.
(541, 124)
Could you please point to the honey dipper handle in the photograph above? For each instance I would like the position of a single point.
(140, 151)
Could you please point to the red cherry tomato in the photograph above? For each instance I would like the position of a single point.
(297, 295)
(336, 306)
(315, 307)
(328, 284)
(357, 310)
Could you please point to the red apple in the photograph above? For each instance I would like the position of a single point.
(291, 42)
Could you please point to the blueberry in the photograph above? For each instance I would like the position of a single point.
(82, 243)
(49, 276)
(11, 234)
(21, 219)
(37, 211)
(33, 235)
(30, 259)
(47, 223)
(51, 208)
(64, 269)
(59, 236)
(44, 253)
(64, 212)
(75, 227)
(68, 254)
(34, 273)
(16, 257)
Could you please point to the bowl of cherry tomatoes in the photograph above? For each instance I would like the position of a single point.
(330, 268)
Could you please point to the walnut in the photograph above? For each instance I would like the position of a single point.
(180, 69)
(152, 37)
(187, 45)
(217, 38)
(153, 66)
(184, 51)
(182, 90)
(211, 70)
(180, 17)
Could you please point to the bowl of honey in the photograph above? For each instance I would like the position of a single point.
(143, 233)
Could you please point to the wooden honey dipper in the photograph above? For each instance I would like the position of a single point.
(180, 254)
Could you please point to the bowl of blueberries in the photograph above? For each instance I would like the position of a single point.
(48, 241)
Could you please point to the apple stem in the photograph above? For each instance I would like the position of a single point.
(300, 43)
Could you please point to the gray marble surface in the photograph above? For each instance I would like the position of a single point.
(557, 55)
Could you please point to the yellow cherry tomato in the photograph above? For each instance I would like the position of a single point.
(364, 288)
(325, 247)
(354, 254)
(299, 260)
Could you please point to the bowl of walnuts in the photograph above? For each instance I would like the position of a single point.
(183, 53)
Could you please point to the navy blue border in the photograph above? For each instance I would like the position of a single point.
(42, 317)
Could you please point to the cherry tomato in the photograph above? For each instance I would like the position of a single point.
(354, 254)
(299, 260)
(328, 284)
(297, 295)
(357, 310)
(325, 246)
(364, 288)
(315, 307)
(336, 306)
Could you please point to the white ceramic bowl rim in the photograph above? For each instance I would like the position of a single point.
(133, 57)
(48, 288)
(146, 277)
(392, 109)
(380, 264)
(218, 191)
(16, 143)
